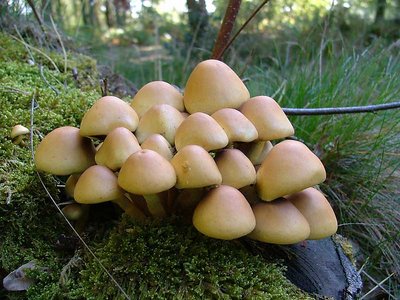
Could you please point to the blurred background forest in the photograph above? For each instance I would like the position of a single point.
(303, 53)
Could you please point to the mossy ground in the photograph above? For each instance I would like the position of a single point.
(152, 261)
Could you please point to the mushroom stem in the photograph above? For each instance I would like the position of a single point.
(130, 208)
(154, 204)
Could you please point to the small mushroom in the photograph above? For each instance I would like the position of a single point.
(279, 222)
(317, 211)
(17, 134)
(73, 211)
(200, 129)
(159, 144)
(156, 92)
(236, 169)
(107, 113)
(288, 168)
(224, 214)
(195, 168)
(71, 183)
(119, 144)
(213, 85)
(268, 117)
(64, 152)
(163, 119)
(99, 184)
(147, 173)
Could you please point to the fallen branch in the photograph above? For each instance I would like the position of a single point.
(340, 110)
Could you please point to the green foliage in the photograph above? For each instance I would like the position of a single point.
(171, 260)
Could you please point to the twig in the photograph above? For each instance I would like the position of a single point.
(37, 50)
(37, 16)
(242, 27)
(378, 285)
(61, 43)
(26, 47)
(47, 82)
(33, 106)
(340, 110)
(225, 31)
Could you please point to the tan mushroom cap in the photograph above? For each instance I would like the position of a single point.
(279, 222)
(317, 211)
(162, 119)
(17, 133)
(146, 172)
(256, 151)
(288, 168)
(236, 126)
(119, 144)
(73, 211)
(200, 129)
(159, 144)
(97, 184)
(213, 85)
(195, 168)
(236, 169)
(107, 113)
(64, 151)
(156, 92)
(224, 214)
(70, 184)
(268, 117)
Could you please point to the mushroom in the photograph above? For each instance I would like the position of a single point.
(162, 119)
(279, 222)
(17, 134)
(268, 117)
(64, 151)
(156, 92)
(224, 214)
(195, 168)
(288, 168)
(73, 211)
(236, 169)
(119, 144)
(147, 173)
(317, 211)
(159, 144)
(213, 85)
(71, 183)
(99, 184)
(200, 129)
(236, 126)
(256, 151)
(107, 113)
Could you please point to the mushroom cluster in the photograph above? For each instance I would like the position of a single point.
(215, 155)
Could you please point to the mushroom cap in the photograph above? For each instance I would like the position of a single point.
(213, 85)
(317, 211)
(119, 144)
(279, 222)
(156, 92)
(236, 169)
(268, 118)
(70, 184)
(64, 151)
(162, 119)
(18, 130)
(159, 144)
(288, 168)
(200, 129)
(73, 211)
(107, 113)
(224, 214)
(195, 168)
(146, 172)
(236, 126)
(256, 151)
(97, 184)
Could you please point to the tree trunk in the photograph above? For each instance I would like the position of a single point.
(380, 11)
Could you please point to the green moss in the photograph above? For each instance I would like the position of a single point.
(169, 260)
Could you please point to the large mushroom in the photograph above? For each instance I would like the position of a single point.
(224, 214)
(288, 168)
(213, 85)
(64, 151)
(147, 173)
